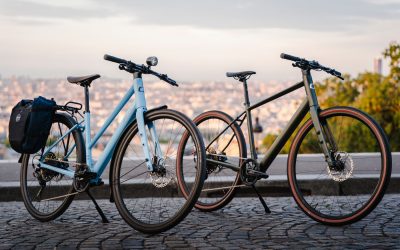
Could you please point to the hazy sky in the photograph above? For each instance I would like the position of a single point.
(194, 40)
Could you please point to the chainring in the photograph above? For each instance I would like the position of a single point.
(80, 181)
(248, 179)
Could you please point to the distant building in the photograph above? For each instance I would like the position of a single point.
(378, 65)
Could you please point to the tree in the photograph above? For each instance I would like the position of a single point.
(393, 53)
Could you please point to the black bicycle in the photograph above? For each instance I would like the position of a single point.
(323, 169)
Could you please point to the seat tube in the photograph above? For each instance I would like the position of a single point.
(141, 108)
(314, 112)
(87, 130)
(249, 121)
(87, 140)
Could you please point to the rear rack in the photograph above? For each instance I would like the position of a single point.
(71, 108)
(75, 107)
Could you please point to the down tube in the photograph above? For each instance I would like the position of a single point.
(279, 142)
(105, 157)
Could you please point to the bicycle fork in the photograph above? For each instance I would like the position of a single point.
(325, 138)
(140, 112)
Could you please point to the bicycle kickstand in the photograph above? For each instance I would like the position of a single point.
(103, 217)
(266, 208)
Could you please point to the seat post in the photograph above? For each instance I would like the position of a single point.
(246, 93)
(87, 98)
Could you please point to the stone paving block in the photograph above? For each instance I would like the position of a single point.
(240, 225)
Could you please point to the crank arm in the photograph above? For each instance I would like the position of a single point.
(258, 173)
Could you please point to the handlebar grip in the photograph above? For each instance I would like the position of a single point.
(172, 82)
(165, 78)
(338, 74)
(114, 59)
(289, 57)
(168, 80)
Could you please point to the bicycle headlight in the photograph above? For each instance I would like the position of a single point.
(152, 61)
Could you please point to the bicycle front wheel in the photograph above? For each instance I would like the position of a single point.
(350, 190)
(150, 201)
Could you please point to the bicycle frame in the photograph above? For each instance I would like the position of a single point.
(136, 111)
(309, 104)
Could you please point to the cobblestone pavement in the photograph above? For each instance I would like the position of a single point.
(242, 224)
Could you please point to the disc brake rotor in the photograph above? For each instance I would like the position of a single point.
(347, 168)
(162, 177)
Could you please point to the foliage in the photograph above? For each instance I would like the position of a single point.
(6, 142)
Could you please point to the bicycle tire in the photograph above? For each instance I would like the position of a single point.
(336, 218)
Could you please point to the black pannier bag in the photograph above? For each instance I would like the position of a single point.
(30, 124)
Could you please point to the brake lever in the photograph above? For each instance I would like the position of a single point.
(303, 64)
(297, 64)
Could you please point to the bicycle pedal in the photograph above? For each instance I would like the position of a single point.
(263, 176)
(259, 174)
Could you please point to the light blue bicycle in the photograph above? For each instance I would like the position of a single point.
(146, 153)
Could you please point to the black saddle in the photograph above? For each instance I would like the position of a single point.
(82, 80)
(240, 75)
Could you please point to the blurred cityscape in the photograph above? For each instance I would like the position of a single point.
(191, 98)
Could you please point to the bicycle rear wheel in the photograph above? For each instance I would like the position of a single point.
(151, 202)
(46, 194)
(347, 192)
(224, 142)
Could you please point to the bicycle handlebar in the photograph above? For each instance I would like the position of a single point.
(132, 67)
(306, 64)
